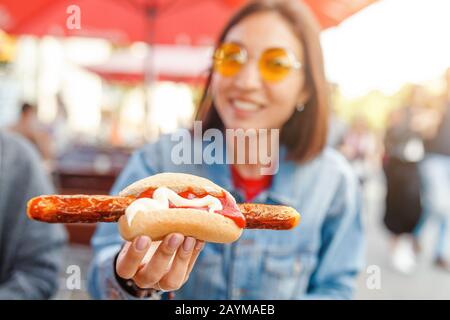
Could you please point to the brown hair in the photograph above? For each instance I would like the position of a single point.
(27, 108)
(305, 133)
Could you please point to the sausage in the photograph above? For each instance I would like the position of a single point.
(77, 208)
(99, 208)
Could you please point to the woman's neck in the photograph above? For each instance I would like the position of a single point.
(249, 171)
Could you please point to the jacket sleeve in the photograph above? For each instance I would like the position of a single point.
(342, 245)
(34, 261)
(107, 242)
(35, 270)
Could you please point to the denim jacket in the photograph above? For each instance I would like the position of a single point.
(318, 259)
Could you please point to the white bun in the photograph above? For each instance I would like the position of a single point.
(177, 182)
(200, 224)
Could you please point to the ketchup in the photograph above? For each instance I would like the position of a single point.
(229, 207)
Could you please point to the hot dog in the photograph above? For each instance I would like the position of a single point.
(166, 203)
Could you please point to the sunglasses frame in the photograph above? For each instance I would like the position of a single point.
(296, 64)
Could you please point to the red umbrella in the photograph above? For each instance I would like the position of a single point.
(121, 21)
(185, 22)
(157, 21)
(170, 62)
(332, 12)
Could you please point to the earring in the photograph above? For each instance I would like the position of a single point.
(300, 107)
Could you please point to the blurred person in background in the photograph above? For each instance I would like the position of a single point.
(268, 74)
(30, 252)
(403, 152)
(60, 134)
(338, 128)
(359, 146)
(435, 175)
(29, 127)
(337, 131)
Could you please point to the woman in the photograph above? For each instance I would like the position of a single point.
(403, 152)
(435, 178)
(268, 74)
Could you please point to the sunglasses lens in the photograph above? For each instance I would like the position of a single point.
(228, 59)
(275, 64)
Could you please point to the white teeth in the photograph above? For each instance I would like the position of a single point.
(245, 106)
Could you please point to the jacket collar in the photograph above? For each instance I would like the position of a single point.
(283, 188)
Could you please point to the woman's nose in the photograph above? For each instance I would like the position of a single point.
(248, 78)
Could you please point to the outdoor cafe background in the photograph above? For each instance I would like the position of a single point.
(106, 76)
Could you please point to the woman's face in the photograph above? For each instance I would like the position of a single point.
(246, 100)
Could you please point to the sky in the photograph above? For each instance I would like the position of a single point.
(388, 44)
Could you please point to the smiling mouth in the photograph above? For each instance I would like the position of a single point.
(245, 106)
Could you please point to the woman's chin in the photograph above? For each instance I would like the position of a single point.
(244, 125)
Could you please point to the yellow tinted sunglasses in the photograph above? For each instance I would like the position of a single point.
(274, 64)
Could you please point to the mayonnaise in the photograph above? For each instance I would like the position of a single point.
(161, 198)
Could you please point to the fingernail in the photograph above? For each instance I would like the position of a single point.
(188, 244)
(175, 241)
(199, 245)
(142, 243)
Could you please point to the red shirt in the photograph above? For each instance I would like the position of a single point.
(250, 187)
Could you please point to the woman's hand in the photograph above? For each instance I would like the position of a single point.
(168, 267)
